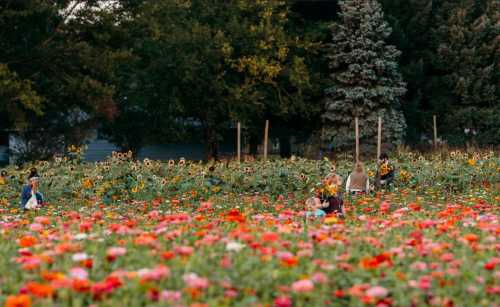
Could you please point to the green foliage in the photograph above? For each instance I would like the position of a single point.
(365, 79)
(450, 65)
(467, 54)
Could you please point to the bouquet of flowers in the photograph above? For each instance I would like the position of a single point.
(385, 169)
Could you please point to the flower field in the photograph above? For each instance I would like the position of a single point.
(181, 233)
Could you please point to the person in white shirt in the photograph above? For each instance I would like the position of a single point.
(358, 181)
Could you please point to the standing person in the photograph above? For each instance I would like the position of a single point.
(386, 170)
(31, 198)
(358, 181)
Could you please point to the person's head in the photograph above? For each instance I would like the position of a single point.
(310, 202)
(359, 167)
(33, 177)
(384, 157)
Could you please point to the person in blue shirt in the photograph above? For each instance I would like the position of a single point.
(31, 198)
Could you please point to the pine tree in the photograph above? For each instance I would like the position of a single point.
(365, 78)
(467, 56)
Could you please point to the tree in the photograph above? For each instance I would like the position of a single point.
(209, 62)
(467, 56)
(365, 78)
(56, 81)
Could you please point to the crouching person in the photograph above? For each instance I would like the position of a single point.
(31, 198)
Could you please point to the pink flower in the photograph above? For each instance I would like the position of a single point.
(304, 253)
(424, 283)
(192, 280)
(157, 273)
(303, 286)
(184, 250)
(79, 273)
(230, 293)
(36, 227)
(115, 252)
(377, 292)
(447, 257)
(282, 301)
(283, 256)
(170, 296)
(419, 266)
(320, 278)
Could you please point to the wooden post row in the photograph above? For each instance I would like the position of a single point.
(434, 119)
(379, 151)
(356, 123)
(266, 139)
(238, 143)
(379, 137)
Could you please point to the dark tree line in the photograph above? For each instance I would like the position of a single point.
(144, 71)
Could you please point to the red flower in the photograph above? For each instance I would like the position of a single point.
(269, 237)
(40, 290)
(283, 301)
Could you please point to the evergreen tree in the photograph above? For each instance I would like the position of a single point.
(467, 56)
(365, 79)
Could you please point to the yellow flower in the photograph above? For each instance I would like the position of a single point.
(385, 168)
(331, 220)
(2, 181)
(87, 183)
(471, 162)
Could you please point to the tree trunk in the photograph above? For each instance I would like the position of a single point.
(254, 144)
(285, 147)
(211, 144)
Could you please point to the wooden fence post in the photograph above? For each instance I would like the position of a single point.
(356, 123)
(379, 150)
(266, 139)
(238, 143)
(434, 119)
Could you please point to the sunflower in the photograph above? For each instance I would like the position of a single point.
(87, 183)
(385, 168)
(171, 163)
(182, 162)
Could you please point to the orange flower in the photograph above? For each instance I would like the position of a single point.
(27, 241)
(269, 237)
(39, 290)
(375, 262)
(81, 285)
(51, 276)
(22, 300)
(290, 261)
(471, 238)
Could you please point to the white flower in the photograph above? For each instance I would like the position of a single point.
(80, 257)
(81, 236)
(234, 246)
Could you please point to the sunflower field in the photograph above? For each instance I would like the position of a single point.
(185, 233)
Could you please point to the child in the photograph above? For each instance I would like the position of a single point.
(30, 197)
(328, 197)
(314, 207)
(358, 181)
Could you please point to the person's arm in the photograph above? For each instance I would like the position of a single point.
(348, 183)
(25, 195)
(390, 176)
